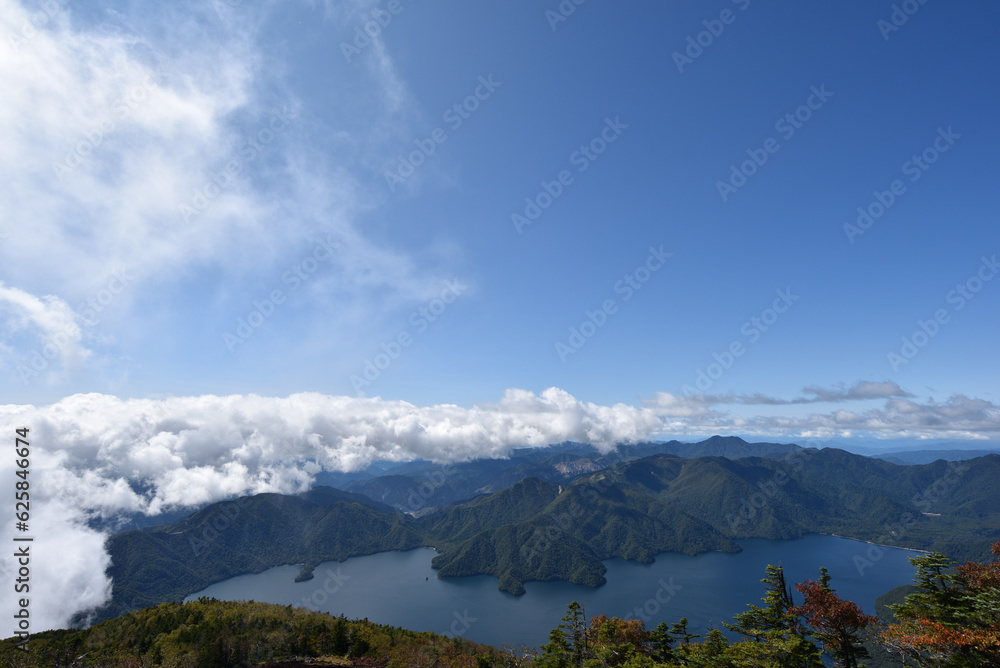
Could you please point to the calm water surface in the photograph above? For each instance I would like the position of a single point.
(401, 588)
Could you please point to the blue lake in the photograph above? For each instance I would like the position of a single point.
(401, 588)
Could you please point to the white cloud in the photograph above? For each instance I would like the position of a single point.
(51, 323)
(698, 404)
(90, 454)
(120, 136)
(95, 454)
(900, 416)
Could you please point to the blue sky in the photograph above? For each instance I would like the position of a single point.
(212, 284)
(689, 94)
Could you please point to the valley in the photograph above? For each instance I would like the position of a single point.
(559, 515)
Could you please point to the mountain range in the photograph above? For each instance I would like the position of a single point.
(557, 514)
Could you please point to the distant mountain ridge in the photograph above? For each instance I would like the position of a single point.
(908, 457)
(536, 529)
(422, 489)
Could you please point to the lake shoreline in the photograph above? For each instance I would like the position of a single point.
(868, 542)
(705, 588)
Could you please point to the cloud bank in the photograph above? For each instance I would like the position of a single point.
(96, 455)
(899, 416)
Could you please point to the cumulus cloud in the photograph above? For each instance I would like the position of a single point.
(99, 455)
(96, 455)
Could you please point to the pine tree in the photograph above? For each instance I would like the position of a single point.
(567, 644)
(575, 627)
(662, 643)
(713, 653)
(679, 630)
(953, 618)
(556, 652)
(774, 628)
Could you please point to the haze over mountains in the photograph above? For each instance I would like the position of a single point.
(556, 514)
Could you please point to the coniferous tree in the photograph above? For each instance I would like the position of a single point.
(713, 653)
(556, 652)
(567, 644)
(777, 637)
(953, 618)
(575, 628)
(662, 644)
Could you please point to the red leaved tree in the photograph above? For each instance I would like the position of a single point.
(835, 622)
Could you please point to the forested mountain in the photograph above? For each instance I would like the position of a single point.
(927, 456)
(249, 535)
(540, 530)
(217, 634)
(554, 533)
(420, 488)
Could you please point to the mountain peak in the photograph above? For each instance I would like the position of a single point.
(720, 440)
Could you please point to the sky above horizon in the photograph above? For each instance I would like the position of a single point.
(658, 208)
(246, 241)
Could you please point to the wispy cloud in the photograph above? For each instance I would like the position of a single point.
(155, 151)
(864, 390)
(48, 321)
(814, 394)
(899, 416)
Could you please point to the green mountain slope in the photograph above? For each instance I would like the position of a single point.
(247, 536)
(566, 538)
(535, 530)
(209, 633)
(423, 488)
